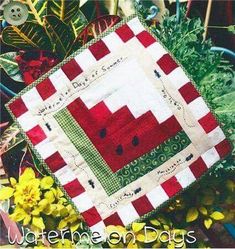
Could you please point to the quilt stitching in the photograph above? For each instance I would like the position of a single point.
(21, 105)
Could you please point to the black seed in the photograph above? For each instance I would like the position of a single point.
(103, 133)
(135, 141)
(119, 149)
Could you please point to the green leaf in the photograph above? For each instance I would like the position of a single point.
(29, 35)
(203, 210)
(231, 29)
(65, 10)
(78, 22)
(217, 215)
(226, 103)
(136, 227)
(155, 222)
(10, 66)
(37, 9)
(208, 222)
(61, 35)
(192, 215)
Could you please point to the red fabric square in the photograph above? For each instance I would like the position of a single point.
(189, 92)
(99, 49)
(198, 167)
(113, 219)
(119, 119)
(55, 162)
(91, 216)
(145, 38)
(100, 112)
(74, 188)
(125, 33)
(46, 89)
(36, 135)
(171, 186)
(208, 122)
(18, 107)
(142, 205)
(71, 69)
(223, 148)
(167, 64)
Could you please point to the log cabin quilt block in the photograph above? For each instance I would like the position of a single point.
(120, 126)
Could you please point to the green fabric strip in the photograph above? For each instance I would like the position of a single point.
(88, 151)
(153, 159)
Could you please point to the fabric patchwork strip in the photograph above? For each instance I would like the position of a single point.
(88, 151)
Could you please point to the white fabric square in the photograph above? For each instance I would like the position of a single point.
(216, 136)
(65, 175)
(59, 79)
(157, 196)
(156, 51)
(128, 214)
(198, 107)
(136, 26)
(27, 121)
(112, 41)
(85, 59)
(178, 77)
(32, 99)
(45, 148)
(185, 177)
(210, 157)
(83, 202)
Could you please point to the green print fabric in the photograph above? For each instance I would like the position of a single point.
(153, 159)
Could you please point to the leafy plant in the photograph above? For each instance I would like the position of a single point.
(56, 26)
(213, 75)
(10, 138)
(29, 35)
(60, 34)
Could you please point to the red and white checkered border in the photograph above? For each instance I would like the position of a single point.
(48, 87)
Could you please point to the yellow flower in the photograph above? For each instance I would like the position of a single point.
(50, 196)
(13, 181)
(27, 192)
(26, 180)
(42, 205)
(19, 214)
(65, 243)
(46, 182)
(6, 193)
(115, 238)
(27, 175)
(70, 219)
(38, 222)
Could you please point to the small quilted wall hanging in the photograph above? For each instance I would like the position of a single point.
(120, 126)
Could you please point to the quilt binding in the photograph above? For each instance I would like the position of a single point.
(46, 75)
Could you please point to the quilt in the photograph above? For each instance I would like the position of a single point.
(120, 126)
